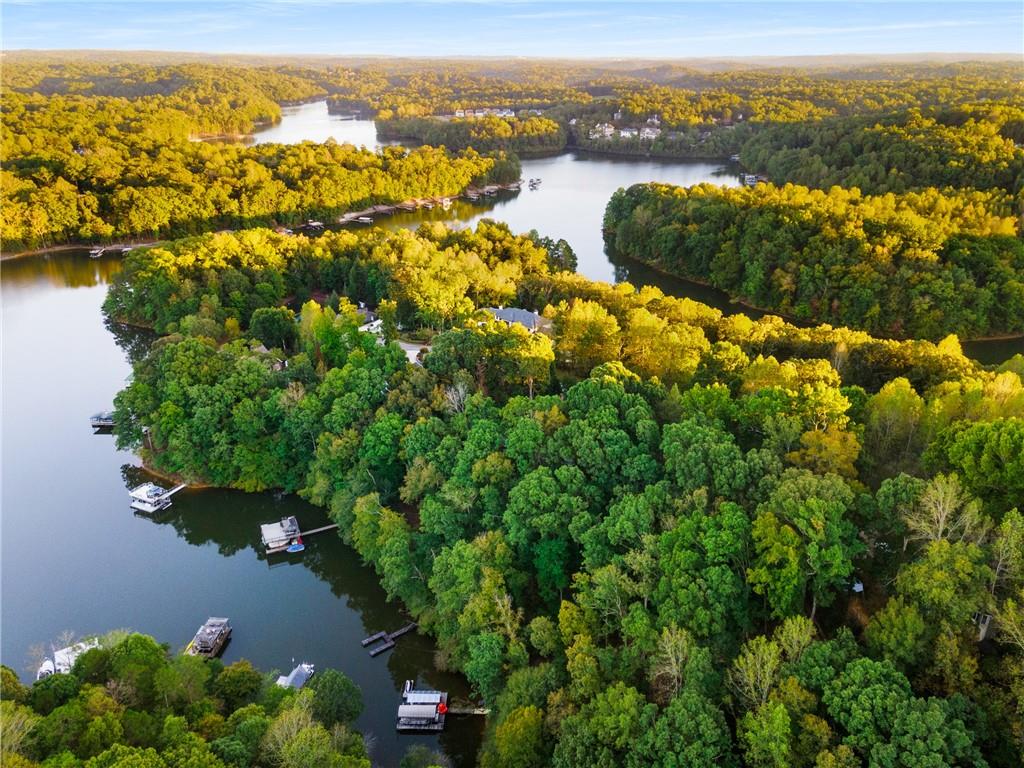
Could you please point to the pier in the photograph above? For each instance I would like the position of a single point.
(386, 640)
(322, 529)
(481, 711)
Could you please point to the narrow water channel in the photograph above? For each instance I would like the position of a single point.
(75, 557)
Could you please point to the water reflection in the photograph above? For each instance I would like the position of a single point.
(135, 341)
(69, 268)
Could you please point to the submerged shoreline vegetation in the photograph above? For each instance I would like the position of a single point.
(130, 702)
(919, 264)
(652, 517)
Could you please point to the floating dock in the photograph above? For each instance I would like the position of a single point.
(150, 497)
(211, 638)
(102, 420)
(421, 710)
(280, 536)
(285, 535)
(385, 641)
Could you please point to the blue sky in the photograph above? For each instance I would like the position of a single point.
(551, 29)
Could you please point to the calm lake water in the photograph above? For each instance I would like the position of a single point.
(569, 204)
(73, 556)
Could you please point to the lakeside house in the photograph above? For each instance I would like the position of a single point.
(648, 133)
(628, 133)
(602, 131)
(532, 321)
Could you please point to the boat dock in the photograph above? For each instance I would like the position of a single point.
(211, 638)
(386, 640)
(102, 420)
(63, 659)
(150, 497)
(421, 710)
(366, 215)
(97, 251)
(285, 535)
(298, 676)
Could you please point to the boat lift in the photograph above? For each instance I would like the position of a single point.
(150, 497)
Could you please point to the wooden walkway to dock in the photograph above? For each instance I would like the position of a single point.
(319, 530)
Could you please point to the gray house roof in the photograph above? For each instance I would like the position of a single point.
(525, 317)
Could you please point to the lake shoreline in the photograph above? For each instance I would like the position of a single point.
(11, 255)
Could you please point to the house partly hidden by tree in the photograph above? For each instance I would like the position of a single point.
(532, 321)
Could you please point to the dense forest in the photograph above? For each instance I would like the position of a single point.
(84, 167)
(530, 135)
(656, 535)
(918, 264)
(129, 703)
(979, 146)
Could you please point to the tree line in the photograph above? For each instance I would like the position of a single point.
(654, 536)
(919, 264)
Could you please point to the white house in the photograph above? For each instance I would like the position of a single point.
(628, 133)
(647, 132)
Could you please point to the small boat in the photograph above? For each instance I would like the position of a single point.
(95, 253)
(365, 219)
(211, 638)
(734, 158)
(428, 205)
(298, 676)
(296, 546)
